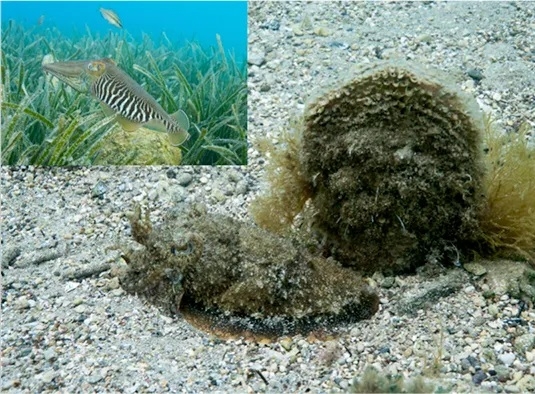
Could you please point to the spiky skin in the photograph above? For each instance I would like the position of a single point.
(394, 159)
(246, 276)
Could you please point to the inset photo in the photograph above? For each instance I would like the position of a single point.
(124, 83)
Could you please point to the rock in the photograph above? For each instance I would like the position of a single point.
(297, 30)
(527, 384)
(256, 58)
(475, 74)
(388, 282)
(468, 362)
(171, 174)
(431, 292)
(273, 24)
(95, 377)
(479, 377)
(493, 310)
(511, 389)
(22, 303)
(502, 373)
(322, 31)
(286, 343)
(153, 195)
(524, 343)
(139, 147)
(507, 358)
(48, 376)
(50, 355)
(475, 269)
(184, 179)
(99, 190)
(510, 278)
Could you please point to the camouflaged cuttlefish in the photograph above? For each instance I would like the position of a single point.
(119, 94)
(230, 277)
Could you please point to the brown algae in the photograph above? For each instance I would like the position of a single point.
(508, 219)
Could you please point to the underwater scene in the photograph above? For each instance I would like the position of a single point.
(123, 83)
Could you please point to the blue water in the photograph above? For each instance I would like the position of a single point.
(181, 21)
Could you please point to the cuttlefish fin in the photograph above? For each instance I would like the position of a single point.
(155, 125)
(176, 138)
(182, 119)
(107, 109)
(126, 124)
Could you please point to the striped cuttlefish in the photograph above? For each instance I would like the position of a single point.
(119, 94)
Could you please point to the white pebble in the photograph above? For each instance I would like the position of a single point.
(507, 358)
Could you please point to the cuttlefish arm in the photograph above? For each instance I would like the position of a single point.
(77, 74)
(72, 73)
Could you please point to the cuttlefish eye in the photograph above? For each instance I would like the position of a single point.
(96, 68)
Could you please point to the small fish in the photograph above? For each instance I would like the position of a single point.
(111, 17)
(119, 94)
(40, 20)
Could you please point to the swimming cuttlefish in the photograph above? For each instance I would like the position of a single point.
(119, 94)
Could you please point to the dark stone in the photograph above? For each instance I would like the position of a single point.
(171, 174)
(475, 74)
(479, 377)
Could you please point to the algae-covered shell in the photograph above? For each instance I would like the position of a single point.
(394, 158)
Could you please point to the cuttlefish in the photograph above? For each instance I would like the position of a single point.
(119, 94)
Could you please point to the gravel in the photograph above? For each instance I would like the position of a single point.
(68, 326)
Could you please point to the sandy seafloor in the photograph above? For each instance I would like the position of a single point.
(68, 327)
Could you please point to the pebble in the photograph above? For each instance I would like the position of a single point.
(475, 268)
(95, 377)
(322, 31)
(256, 58)
(527, 383)
(184, 179)
(502, 373)
(286, 343)
(493, 310)
(479, 377)
(511, 389)
(153, 195)
(48, 376)
(22, 303)
(475, 74)
(507, 358)
(524, 343)
(50, 355)
(297, 30)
